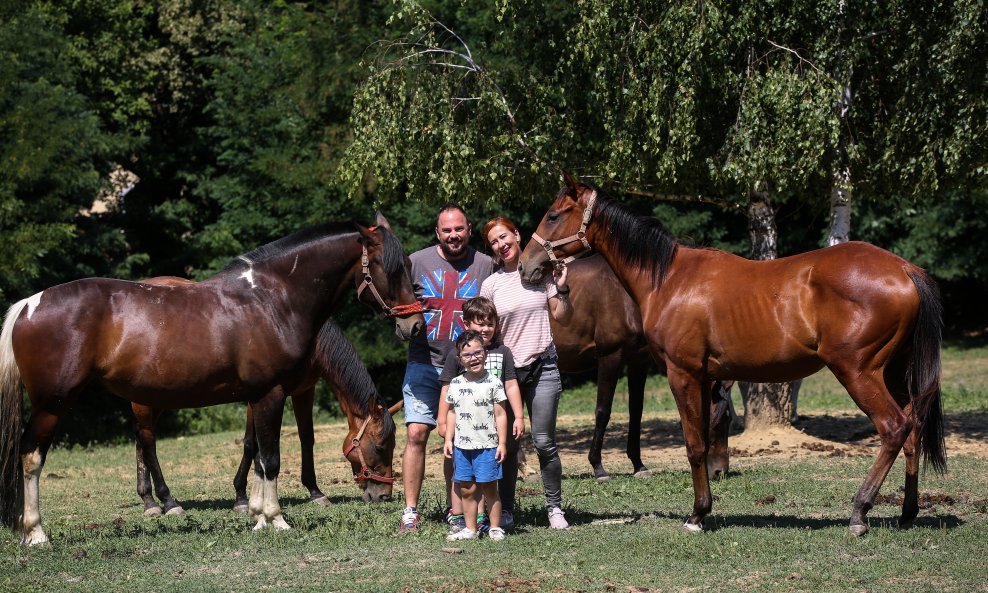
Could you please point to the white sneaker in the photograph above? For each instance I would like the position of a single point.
(496, 534)
(557, 519)
(462, 534)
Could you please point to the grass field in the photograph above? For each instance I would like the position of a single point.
(778, 524)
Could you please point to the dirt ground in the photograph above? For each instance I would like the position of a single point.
(813, 435)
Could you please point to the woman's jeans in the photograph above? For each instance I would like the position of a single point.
(542, 400)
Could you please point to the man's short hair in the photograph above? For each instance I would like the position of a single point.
(449, 206)
(479, 309)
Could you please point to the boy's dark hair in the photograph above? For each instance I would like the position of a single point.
(479, 309)
(466, 337)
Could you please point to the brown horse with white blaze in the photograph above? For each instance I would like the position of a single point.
(246, 334)
(872, 318)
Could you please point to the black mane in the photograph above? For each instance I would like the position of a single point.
(341, 364)
(640, 241)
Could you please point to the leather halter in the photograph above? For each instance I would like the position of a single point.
(366, 474)
(368, 282)
(580, 236)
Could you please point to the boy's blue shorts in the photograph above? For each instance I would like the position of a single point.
(475, 465)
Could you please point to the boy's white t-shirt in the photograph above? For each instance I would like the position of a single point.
(473, 403)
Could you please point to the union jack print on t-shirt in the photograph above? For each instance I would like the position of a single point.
(443, 293)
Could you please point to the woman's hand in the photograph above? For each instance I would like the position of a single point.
(559, 272)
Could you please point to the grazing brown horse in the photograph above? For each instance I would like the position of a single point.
(335, 360)
(605, 332)
(869, 316)
(246, 334)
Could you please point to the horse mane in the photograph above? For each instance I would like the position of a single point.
(338, 358)
(640, 241)
(393, 255)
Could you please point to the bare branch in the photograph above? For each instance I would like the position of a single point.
(691, 198)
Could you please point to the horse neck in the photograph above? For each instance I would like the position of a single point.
(316, 276)
(637, 283)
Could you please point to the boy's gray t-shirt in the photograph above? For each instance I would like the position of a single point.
(442, 287)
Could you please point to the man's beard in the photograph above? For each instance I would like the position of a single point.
(449, 253)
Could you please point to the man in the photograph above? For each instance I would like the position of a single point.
(445, 276)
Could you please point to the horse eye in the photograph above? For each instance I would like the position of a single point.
(552, 216)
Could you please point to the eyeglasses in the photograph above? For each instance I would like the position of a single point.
(472, 355)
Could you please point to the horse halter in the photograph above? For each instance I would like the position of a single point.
(366, 474)
(581, 236)
(368, 282)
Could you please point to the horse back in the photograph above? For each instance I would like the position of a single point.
(785, 317)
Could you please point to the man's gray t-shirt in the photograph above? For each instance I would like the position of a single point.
(442, 287)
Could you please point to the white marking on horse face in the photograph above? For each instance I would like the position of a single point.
(33, 302)
(249, 274)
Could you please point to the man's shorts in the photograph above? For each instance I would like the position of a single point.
(420, 390)
(475, 465)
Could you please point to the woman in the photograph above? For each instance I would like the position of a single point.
(523, 326)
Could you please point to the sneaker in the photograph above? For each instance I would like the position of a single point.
(557, 519)
(457, 523)
(496, 534)
(507, 521)
(462, 535)
(483, 523)
(409, 523)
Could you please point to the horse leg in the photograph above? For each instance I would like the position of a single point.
(263, 506)
(718, 454)
(693, 401)
(144, 431)
(608, 369)
(302, 405)
(240, 504)
(637, 374)
(871, 395)
(148, 467)
(35, 442)
(910, 499)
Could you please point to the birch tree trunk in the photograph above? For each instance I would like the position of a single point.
(765, 404)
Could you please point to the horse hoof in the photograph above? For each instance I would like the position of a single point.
(152, 512)
(603, 478)
(35, 537)
(261, 523)
(322, 501)
(858, 530)
(643, 473)
(280, 524)
(175, 511)
(240, 508)
(693, 527)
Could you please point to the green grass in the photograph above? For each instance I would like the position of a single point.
(776, 526)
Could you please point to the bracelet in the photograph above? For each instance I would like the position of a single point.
(561, 291)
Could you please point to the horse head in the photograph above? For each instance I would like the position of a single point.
(370, 448)
(385, 281)
(562, 234)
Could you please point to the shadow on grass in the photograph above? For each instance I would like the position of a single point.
(223, 504)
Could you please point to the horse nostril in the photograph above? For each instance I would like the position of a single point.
(717, 474)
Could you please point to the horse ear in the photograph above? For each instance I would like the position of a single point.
(395, 407)
(568, 180)
(382, 222)
(367, 233)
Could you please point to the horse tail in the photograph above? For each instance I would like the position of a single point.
(923, 372)
(11, 490)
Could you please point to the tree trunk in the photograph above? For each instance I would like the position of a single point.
(840, 208)
(765, 404)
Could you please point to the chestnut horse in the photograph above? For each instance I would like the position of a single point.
(606, 332)
(246, 334)
(872, 318)
(335, 360)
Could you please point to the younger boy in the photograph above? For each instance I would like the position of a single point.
(480, 315)
(476, 430)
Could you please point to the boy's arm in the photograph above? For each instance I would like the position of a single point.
(501, 420)
(450, 430)
(444, 407)
(514, 400)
